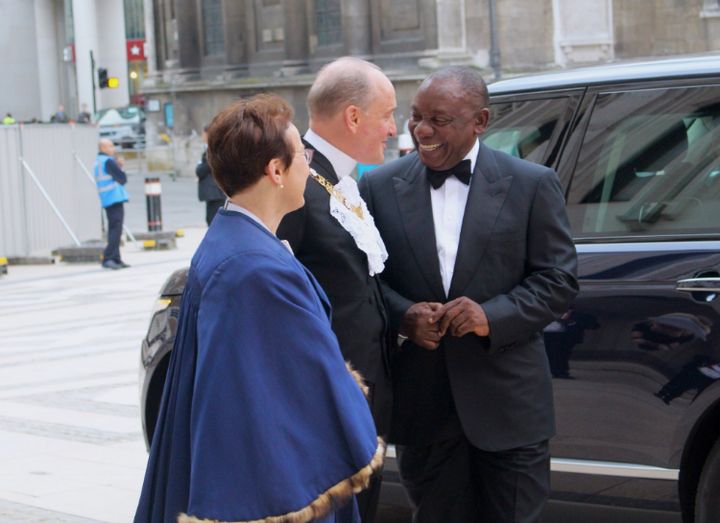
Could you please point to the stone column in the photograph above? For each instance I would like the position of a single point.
(236, 35)
(297, 40)
(86, 40)
(100, 27)
(583, 31)
(48, 54)
(711, 15)
(451, 35)
(356, 27)
(188, 36)
(451, 26)
(150, 50)
(111, 50)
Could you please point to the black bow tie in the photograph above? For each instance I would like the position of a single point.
(461, 171)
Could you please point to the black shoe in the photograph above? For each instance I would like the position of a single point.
(123, 265)
(111, 264)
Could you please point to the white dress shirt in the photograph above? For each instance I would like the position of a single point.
(343, 164)
(448, 209)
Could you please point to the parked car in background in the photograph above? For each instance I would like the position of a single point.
(636, 359)
(125, 126)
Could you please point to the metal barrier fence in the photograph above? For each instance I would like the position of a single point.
(46, 199)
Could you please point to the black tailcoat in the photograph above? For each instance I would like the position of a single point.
(358, 317)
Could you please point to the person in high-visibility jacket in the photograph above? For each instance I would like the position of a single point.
(110, 180)
(8, 120)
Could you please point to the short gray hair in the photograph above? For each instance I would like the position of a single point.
(343, 82)
(469, 79)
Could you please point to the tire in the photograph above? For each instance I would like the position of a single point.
(707, 499)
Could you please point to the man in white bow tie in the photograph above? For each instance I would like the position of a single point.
(351, 106)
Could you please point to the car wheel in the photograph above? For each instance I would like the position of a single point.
(707, 501)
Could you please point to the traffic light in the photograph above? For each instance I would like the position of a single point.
(102, 77)
(104, 80)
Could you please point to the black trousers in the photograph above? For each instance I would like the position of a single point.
(454, 482)
(115, 215)
(368, 499)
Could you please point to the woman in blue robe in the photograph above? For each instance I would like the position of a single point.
(260, 419)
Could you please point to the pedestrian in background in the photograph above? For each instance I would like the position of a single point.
(84, 116)
(260, 419)
(351, 105)
(60, 116)
(8, 120)
(208, 190)
(480, 260)
(110, 180)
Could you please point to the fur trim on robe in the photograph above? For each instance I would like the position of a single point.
(209, 456)
(334, 497)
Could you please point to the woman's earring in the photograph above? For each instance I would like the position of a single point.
(282, 186)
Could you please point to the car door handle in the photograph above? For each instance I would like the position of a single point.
(707, 284)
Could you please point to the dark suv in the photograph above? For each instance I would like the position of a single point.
(636, 360)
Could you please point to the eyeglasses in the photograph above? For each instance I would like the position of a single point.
(308, 155)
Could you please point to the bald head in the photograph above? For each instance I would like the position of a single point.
(106, 146)
(343, 82)
(351, 106)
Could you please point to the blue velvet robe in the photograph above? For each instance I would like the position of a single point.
(259, 414)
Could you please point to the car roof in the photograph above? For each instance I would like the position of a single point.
(677, 67)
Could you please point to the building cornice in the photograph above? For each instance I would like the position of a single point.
(255, 83)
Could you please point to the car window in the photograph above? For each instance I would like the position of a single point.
(124, 115)
(524, 128)
(649, 165)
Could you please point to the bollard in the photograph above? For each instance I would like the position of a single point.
(152, 200)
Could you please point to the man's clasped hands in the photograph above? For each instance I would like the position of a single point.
(425, 323)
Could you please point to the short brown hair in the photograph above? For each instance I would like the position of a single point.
(244, 137)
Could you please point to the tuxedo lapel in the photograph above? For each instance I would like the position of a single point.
(322, 165)
(413, 196)
(488, 191)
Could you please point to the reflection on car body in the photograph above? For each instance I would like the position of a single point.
(636, 360)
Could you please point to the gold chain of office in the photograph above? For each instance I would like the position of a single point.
(330, 188)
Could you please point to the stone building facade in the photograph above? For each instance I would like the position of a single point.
(202, 54)
(46, 56)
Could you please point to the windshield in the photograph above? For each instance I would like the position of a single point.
(122, 115)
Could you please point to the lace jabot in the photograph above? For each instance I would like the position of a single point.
(362, 230)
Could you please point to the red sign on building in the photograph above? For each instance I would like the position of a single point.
(135, 50)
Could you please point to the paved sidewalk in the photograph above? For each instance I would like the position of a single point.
(70, 437)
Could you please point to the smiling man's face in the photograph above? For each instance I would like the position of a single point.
(445, 123)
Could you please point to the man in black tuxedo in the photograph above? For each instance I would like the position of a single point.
(351, 105)
(480, 260)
